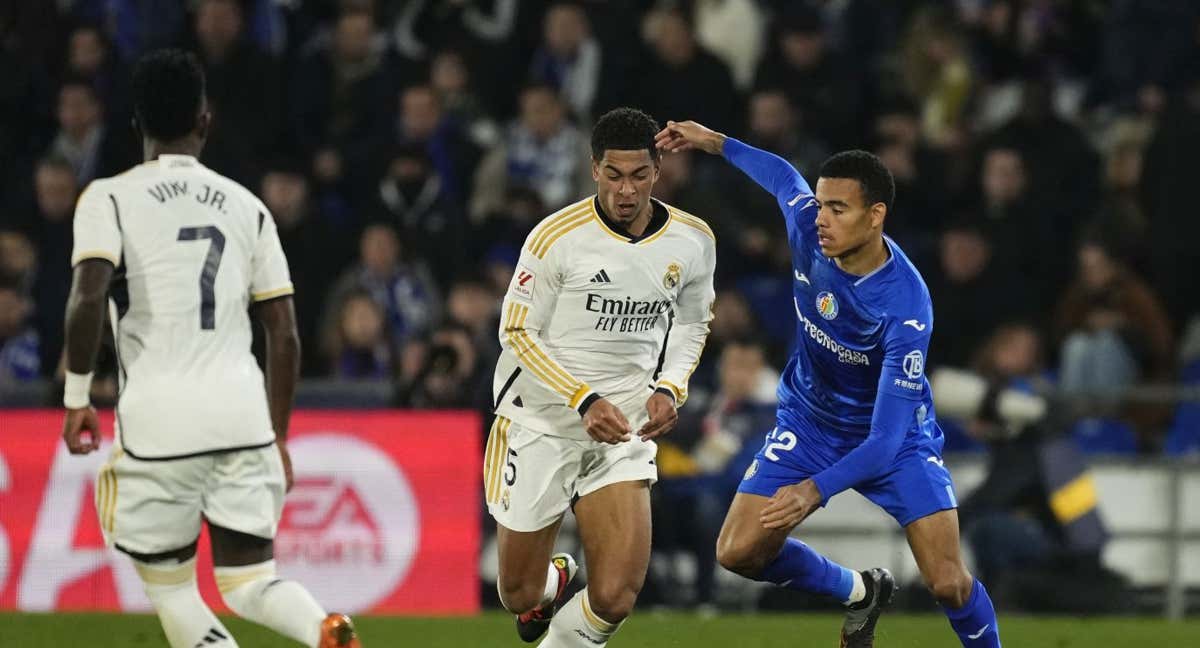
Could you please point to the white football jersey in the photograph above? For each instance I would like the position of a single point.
(588, 312)
(192, 250)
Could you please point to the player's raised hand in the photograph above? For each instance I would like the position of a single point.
(605, 423)
(790, 505)
(688, 135)
(81, 430)
(663, 416)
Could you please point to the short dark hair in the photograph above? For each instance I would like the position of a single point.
(876, 180)
(168, 91)
(624, 129)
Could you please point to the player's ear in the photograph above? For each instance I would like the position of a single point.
(595, 170)
(877, 213)
(203, 122)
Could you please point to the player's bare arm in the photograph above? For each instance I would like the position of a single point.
(84, 328)
(278, 319)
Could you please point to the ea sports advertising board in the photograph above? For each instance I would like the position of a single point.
(384, 516)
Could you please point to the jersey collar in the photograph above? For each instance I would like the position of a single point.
(171, 161)
(659, 218)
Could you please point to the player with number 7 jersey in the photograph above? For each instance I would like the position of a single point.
(175, 254)
(192, 251)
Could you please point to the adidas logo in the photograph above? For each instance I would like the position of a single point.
(601, 277)
(213, 636)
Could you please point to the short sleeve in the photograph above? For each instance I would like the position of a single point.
(271, 278)
(97, 227)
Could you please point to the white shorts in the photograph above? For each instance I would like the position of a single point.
(531, 479)
(151, 507)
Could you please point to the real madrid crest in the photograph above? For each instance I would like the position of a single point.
(827, 305)
(671, 279)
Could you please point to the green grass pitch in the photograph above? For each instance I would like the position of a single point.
(644, 630)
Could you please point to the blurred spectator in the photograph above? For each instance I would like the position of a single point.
(56, 192)
(937, 72)
(1168, 193)
(774, 125)
(340, 96)
(93, 149)
(1147, 45)
(412, 196)
(90, 56)
(1063, 171)
(734, 31)
(402, 289)
(316, 252)
(1022, 541)
(1022, 236)
(1120, 217)
(971, 295)
(541, 151)
(18, 259)
(244, 91)
(923, 179)
(451, 79)
(20, 355)
(423, 124)
(701, 465)
(1115, 331)
(820, 87)
(569, 59)
(451, 375)
(358, 347)
(139, 26)
(682, 80)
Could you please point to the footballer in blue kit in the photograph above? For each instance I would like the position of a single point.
(855, 410)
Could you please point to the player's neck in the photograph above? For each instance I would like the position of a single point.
(638, 226)
(151, 149)
(864, 259)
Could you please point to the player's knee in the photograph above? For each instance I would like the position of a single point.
(951, 586)
(739, 558)
(520, 597)
(612, 603)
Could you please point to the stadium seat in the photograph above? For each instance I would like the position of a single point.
(1183, 437)
(1105, 436)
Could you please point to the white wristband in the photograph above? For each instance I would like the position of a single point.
(77, 391)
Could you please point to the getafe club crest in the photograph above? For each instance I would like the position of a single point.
(827, 305)
(671, 279)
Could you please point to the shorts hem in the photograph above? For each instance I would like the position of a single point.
(913, 518)
(522, 528)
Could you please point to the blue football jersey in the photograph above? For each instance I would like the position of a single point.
(857, 337)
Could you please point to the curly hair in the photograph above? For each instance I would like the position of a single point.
(624, 129)
(168, 91)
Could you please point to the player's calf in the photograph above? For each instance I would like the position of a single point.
(186, 621)
(254, 592)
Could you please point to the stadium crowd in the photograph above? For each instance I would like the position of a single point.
(1041, 148)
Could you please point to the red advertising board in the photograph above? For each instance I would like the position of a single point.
(384, 516)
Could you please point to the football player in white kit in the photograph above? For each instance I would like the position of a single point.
(602, 326)
(175, 254)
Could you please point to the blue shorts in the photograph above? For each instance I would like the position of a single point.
(915, 485)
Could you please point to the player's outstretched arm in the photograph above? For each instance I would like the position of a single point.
(84, 327)
(278, 319)
(770, 171)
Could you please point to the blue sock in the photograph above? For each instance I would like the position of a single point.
(798, 567)
(975, 622)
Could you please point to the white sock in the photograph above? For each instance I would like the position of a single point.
(551, 586)
(858, 592)
(186, 620)
(576, 626)
(254, 593)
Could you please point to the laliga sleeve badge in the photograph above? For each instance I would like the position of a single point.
(671, 278)
(523, 282)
